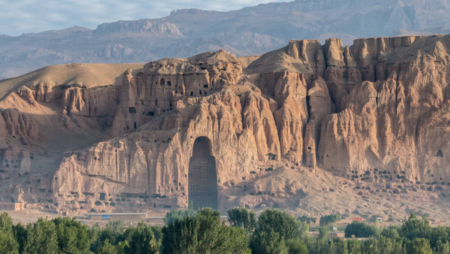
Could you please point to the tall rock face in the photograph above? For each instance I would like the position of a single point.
(379, 121)
(375, 113)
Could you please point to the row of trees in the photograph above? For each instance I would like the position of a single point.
(272, 232)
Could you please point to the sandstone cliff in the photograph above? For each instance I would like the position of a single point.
(299, 121)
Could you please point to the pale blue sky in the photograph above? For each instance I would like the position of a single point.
(31, 16)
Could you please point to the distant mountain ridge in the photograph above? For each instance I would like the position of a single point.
(249, 31)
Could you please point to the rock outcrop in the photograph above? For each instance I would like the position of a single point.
(374, 114)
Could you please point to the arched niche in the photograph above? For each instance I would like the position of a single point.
(203, 175)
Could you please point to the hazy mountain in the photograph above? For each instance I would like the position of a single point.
(248, 31)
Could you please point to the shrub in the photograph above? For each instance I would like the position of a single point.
(329, 219)
(360, 229)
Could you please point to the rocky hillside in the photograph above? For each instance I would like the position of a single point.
(360, 130)
(250, 31)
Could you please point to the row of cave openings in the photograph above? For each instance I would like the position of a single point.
(375, 174)
(201, 92)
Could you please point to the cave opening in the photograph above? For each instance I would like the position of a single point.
(203, 176)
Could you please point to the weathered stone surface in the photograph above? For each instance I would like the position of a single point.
(373, 115)
(20, 125)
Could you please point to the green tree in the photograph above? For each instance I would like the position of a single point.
(354, 246)
(73, 237)
(243, 218)
(323, 233)
(329, 219)
(113, 232)
(6, 224)
(268, 243)
(157, 230)
(174, 215)
(390, 232)
(142, 241)
(20, 234)
(438, 234)
(8, 245)
(279, 222)
(416, 228)
(420, 246)
(203, 234)
(115, 226)
(442, 248)
(121, 247)
(296, 246)
(106, 248)
(41, 238)
(307, 219)
(360, 229)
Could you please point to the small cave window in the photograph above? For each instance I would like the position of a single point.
(151, 113)
(163, 82)
(170, 104)
(169, 83)
(200, 92)
(156, 102)
(192, 93)
(132, 110)
(205, 86)
(439, 154)
(135, 125)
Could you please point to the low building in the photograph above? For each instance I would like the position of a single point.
(117, 216)
(12, 206)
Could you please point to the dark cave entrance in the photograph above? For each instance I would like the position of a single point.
(203, 176)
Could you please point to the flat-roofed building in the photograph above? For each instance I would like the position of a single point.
(12, 206)
(117, 216)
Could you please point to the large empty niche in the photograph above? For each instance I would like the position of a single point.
(203, 176)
